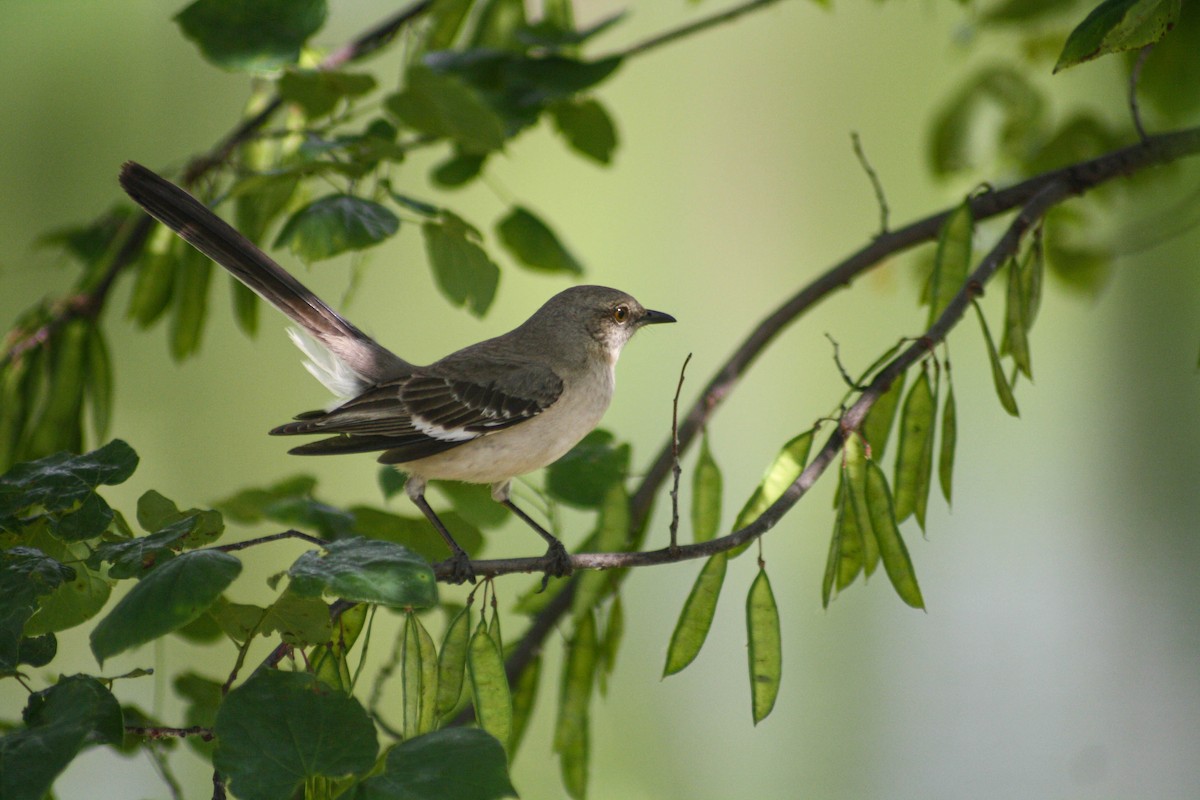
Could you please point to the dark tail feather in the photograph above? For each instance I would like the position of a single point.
(218, 240)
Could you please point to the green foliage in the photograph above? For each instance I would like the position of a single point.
(1118, 25)
(336, 224)
(696, 618)
(366, 571)
(251, 35)
(453, 764)
(280, 729)
(59, 722)
(331, 177)
(765, 650)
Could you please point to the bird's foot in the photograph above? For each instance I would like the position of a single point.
(559, 565)
(460, 568)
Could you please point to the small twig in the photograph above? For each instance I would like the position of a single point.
(166, 732)
(1135, 75)
(693, 27)
(876, 184)
(288, 534)
(676, 469)
(837, 360)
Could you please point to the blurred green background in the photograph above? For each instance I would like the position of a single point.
(1059, 654)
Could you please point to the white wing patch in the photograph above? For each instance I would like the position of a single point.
(334, 374)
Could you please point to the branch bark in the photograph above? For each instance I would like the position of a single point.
(1034, 196)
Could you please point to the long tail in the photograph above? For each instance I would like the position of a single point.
(218, 240)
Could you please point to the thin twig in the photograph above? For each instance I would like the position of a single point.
(166, 732)
(274, 537)
(676, 470)
(719, 18)
(1082, 176)
(1079, 177)
(837, 360)
(1030, 214)
(872, 176)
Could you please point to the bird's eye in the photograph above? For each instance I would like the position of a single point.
(621, 314)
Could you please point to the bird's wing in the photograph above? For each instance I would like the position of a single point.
(430, 412)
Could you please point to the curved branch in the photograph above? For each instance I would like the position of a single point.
(1081, 177)
(1050, 195)
(1047, 189)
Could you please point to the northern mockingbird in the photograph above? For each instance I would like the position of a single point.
(484, 414)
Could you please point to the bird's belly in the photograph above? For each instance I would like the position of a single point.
(531, 445)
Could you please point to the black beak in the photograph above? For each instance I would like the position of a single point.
(651, 317)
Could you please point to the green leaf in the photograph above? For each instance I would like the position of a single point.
(697, 615)
(877, 427)
(193, 274)
(203, 696)
(157, 513)
(612, 533)
(416, 533)
(99, 384)
(418, 678)
(445, 19)
(280, 729)
(952, 260)
(451, 764)
(896, 561)
(844, 507)
(1015, 341)
(1082, 268)
(587, 127)
(949, 439)
(319, 91)
(152, 290)
(610, 642)
(863, 541)
(72, 602)
(25, 575)
(452, 661)
(914, 462)
(59, 723)
(474, 503)
(336, 224)
(706, 494)
(571, 730)
(1173, 64)
(524, 697)
(251, 35)
(766, 647)
(64, 486)
(444, 106)
(1003, 389)
(781, 474)
(299, 621)
(1118, 25)
(583, 476)
(60, 425)
(167, 598)
(851, 551)
(463, 271)
(366, 571)
(458, 170)
(532, 243)
(489, 685)
(497, 24)
(255, 505)
(956, 130)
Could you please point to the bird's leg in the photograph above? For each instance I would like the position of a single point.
(460, 562)
(560, 560)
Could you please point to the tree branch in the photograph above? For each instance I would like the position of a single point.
(1037, 194)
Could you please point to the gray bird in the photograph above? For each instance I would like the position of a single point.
(483, 414)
